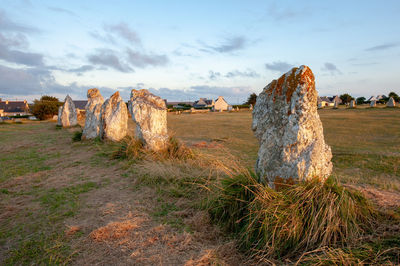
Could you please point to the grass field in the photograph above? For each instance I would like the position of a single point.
(69, 202)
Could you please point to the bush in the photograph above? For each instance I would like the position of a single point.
(46, 107)
(77, 136)
(299, 218)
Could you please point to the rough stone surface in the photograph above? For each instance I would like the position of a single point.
(59, 116)
(352, 104)
(288, 127)
(150, 115)
(391, 102)
(372, 104)
(93, 108)
(68, 117)
(113, 118)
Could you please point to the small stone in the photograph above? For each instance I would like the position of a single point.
(68, 117)
(93, 108)
(251, 107)
(352, 104)
(372, 104)
(150, 115)
(59, 116)
(113, 118)
(336, 105)
(288, 127)
(391, 102)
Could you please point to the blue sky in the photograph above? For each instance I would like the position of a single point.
(183, 50)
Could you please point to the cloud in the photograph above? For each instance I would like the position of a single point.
(80, 70)
(214, 75)
(124, 31)
(227, 46)
(281, 13)
(6, 25)
(107, 38)
(18, 57)
(244, 74)
(279, 66)
(332, 68)
(62, 10)
(108, 58)
(19, 81)
(142, 60)
(382, 47)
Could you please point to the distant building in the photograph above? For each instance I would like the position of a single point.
(221, 104)
(14, 108)
(203, 103)
(80, 105)
(328, 101)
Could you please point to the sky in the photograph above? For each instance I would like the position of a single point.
(183, 50)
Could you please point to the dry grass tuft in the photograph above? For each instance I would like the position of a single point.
(133, 148)
(72, 230)
(115, 230)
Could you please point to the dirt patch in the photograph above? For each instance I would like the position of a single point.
(383, 198)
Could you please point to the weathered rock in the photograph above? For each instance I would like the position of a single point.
(352, 104)
(93, 108)
(372, 103)
(59, 116)
(113, 118)
(336, 105)
(391, 102)
(288, 127)
(68, 113)
(251, 107)
(150, 115)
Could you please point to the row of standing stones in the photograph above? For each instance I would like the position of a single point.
(390, 103)
(285, 121)
(109, 119)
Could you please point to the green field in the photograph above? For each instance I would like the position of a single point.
(70, 202)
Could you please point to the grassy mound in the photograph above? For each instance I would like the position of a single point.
(283, 224)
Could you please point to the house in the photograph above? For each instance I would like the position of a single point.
(203, 103)
(80, 105)
(178, 105)
(324, 101)
(14, 108)
(221, 104)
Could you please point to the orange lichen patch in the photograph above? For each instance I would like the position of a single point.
(114, 230)
(72, 230)
(292, 81)
(282, 183)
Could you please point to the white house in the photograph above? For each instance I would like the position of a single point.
(220, 104)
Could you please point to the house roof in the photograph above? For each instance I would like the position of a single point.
(203, 102)
(81, 104)
(14, 106)
(222, 99)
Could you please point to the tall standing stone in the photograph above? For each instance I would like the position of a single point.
(150, 115)
(113, 118)
(352, 104)
(68, 113)
(93, 108)
(372, 104)
(288, 127)
(336, 105)
(391, 102)
(59, 116)
(251, 107)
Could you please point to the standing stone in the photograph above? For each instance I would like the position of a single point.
(59, 116)
(391, 102)
(68, 113)
(93, 108)
(372, 104)
(336, 105)
(320, 106)
(352, 104)
(288, 127)
(251, 107)
(113, 118)
(150, 115)
(237, 109)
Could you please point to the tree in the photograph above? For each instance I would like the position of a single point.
(252, 99)
(360, 100)
(395, 96)
(346, 98)
(46, 107)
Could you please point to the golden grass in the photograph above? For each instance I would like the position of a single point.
(115, 230)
